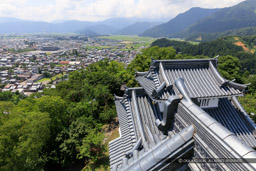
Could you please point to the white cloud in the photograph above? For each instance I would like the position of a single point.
(91, 10)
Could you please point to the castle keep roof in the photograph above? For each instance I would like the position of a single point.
(184, 110)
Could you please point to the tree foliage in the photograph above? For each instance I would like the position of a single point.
(61, 126)
(229, 67)
(92, 146)
(223, 46)
(22, 137)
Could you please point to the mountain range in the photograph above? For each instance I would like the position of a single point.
(110, 26)
(195, 24)
(137, 28)
(235, 17)
(198, 22)
(179, 23)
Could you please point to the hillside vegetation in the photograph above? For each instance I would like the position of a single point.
(235, 17)
(205, 37)
(179, 23)
(238, 46)
(199, 24)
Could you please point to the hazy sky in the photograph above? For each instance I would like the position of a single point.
(94, 10)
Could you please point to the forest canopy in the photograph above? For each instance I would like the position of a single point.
(223, 47)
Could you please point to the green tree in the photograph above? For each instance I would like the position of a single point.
(27, 105)
(6, 107)
(229, 67)
(252, 79)
(6, 96)
(163, 42)
(22, 137)
(75, 52)
(142, 61)
(71, 139)
(52, 65)
(47, 74)
(249, 104)
(108, 114)
(56, 107)
(80, 109)
(92, 147)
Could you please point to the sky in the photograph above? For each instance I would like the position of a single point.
(97, 10)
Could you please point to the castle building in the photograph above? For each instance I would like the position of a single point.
(185, 116)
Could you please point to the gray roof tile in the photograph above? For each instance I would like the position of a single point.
(223, 132)
(233, 120)
(201, 78)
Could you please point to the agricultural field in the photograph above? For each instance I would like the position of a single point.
(191, 42)
(98, 47)
(130, 42)
(128, 38)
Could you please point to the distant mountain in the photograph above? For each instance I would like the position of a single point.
(109, 26)
(235, 17)
(137, 28)
(58, 21)
(71, 26)
(179, 23)
(41, 27)
(25, 27)
(101, 29)
(89, 33)
(120, 23)
(9, 20)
